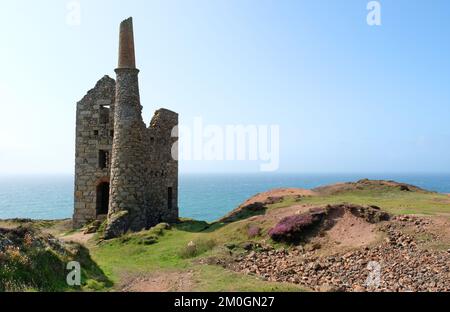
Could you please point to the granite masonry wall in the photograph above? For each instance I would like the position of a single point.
(94, 135)
(162, 168)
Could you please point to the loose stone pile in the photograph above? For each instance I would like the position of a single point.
(4, 242)
(403, 266)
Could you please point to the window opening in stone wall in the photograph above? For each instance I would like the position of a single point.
(103, 159)
(169, 198)
(104, 114)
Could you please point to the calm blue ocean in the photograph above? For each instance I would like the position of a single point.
(203, 197)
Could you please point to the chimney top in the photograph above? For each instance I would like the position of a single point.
(126, 45)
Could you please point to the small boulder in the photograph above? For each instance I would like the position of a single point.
(117, 225)
(230, 246)
(93, 227)
(248, 246)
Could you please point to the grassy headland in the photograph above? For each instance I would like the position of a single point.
(190, 255)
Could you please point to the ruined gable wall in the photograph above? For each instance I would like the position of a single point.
(161, 168)
(94, 126)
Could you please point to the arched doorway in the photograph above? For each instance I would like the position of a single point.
(102, 198)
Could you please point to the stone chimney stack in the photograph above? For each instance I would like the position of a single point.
(127, 187)
(126, 45)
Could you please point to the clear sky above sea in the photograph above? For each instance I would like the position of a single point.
(347, 97)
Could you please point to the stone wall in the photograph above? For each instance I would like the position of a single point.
(162, 169)
(94, 131)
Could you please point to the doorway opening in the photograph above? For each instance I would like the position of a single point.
(102, 198)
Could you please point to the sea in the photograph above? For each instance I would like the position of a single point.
(201, 196)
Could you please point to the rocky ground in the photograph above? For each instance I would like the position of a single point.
(403, 264)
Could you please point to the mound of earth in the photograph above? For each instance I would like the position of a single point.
(344, 225)
(257, 204)
(366, 184)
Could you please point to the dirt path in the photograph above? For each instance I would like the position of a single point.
(158, 282)
(77, 237)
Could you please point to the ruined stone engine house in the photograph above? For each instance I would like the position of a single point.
(124, 170)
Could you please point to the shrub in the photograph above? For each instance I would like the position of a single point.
(159, 229)
(194, 249)
(253, 231)
(94, 285)
(291, 228)
(148, 240)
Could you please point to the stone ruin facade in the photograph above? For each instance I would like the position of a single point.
(125, 172)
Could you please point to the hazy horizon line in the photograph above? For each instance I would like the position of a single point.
(252, 173)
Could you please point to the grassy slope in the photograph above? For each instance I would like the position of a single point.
(35, 262)
(119, 257)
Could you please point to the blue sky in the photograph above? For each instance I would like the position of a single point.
(347, 97)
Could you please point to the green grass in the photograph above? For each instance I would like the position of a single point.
(393, 201)
(118, 257)
(214, 278)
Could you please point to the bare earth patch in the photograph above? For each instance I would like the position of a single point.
(8, 225)
(78, 237)
(280, 213)
(351, 231)
(158, 282)
(347, 231)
